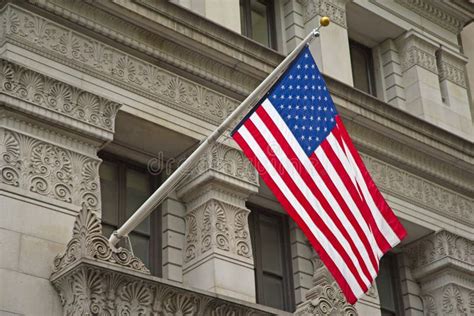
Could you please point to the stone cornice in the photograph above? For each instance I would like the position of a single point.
(230, 71)
(57, 102)
(440, 12)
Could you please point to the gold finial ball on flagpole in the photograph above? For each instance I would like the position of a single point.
(324, 21)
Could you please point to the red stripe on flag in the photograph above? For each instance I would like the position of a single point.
(310, 182)
(346, 289)
(380, 202)
(312, 212)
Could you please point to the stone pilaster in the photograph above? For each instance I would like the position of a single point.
(443, 265)
(331, 48)
(389, 78)
(218, 252)
(433, 78)
(50, 133)
(453, 84)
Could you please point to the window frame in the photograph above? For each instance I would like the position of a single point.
(369, 62)
(288, 286)
(247, 30)
(155, 242)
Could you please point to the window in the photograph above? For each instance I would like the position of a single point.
(388, 285)
(362, 67)
(124, 187)
(257, 18)
(271, 248)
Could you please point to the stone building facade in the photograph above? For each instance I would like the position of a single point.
(101, 100)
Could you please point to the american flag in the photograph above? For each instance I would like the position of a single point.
(298, 143)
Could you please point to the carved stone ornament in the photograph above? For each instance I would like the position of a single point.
(107, 63)
(44, 168)
(94, 279)
(432, 249)
(325, 298)
(414, 51)
(57, 96)
(443, 264)
(226, 160)
(334, 9)
(217, 226)
(88, 242)
(452, 68)
(432, 11)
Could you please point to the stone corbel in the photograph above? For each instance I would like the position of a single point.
(443, 264)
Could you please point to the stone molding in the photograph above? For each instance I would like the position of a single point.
(85, 54)
(334, 9)
(396, 181)
(60, 98)
(92, 278)
(44, 168)
(451, 68)
(226, 160)
(154, 44)
(416, 51)
(88, 242)
(436, 13)
(437, 250)
(449, 300)
(325, 298)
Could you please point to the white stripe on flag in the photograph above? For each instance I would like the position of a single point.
(314, 202)
(334, 255)
(288, 135)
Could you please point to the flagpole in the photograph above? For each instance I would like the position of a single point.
(162, 192)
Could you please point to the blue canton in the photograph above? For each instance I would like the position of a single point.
(302, 99)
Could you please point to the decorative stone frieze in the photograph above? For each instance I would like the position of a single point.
(157, 45)
(80, 52)
(433, 11)
(451, 68)
(415, 51)
(56, 96)
(443, 264)
(420, 191)
(334, 9)
(44, 168)
(94, 279)
(325, 298)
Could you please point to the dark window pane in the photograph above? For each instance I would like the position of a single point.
(273, 291)
(362, 68)
(259, 20)
(140, 246)
(271, 246)
(109, 191)
(387, 287)
(137, 191)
